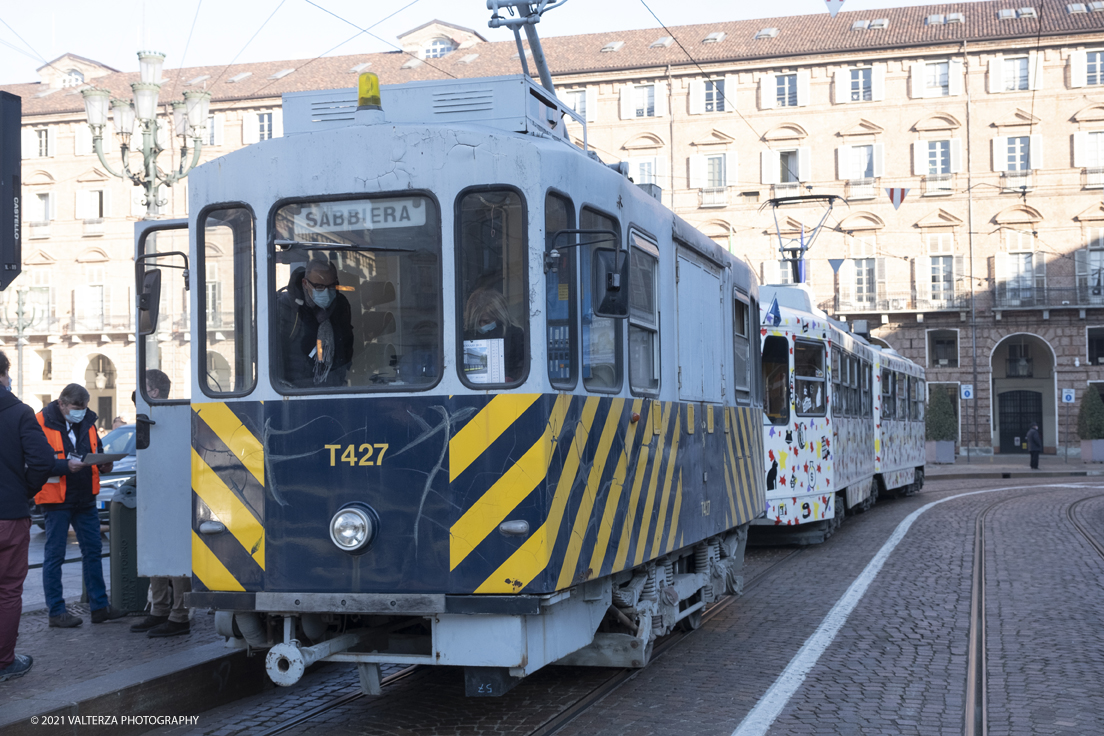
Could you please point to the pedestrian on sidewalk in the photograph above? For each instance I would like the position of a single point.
(1034, 445)
(69, 499)
(167, 616)
(26, 461)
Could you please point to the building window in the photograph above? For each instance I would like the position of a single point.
(861, 85)
(1019, 363)
(210, 132)
(862, 162)
(715, 171)
(943, 348)
(43, 137)
(73, 78)
(1094, 72)
(865, 282)
(439, 47)
(786, 85)
(1019, 153)
(942, 277)
(937, 79)
(644, 100)
(643, 171)
(264, 121)
(939, 157)
(788, 167)
(714, 96)
(1015, 74)
(576, 100)
(42, 208)
(1096, 345)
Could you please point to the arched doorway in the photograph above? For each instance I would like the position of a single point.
(99, 379)
(1023, 392)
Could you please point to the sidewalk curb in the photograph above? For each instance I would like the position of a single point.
(183, 684)
(999, 474)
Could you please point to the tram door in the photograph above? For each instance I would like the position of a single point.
(163, 399)
(700, 330)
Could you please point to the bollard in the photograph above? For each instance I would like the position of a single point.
(128, 591)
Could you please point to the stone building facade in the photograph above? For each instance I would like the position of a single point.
(989, 114)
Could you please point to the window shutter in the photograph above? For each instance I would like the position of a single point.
(996, 75)
(1034, 70)
(916, 81)
(29, 143)
(219, 121)
(846, 288)
(956, 155)
(732, 169)
(730, 93)
(591, 104)
(768, 92)
(879, 160)
(83, 210)
(1000, 273)
(843, 163)
(106, 201)
(771, 272)
(955, 82)
(626, 102)
(804, 164)
(841, 85)
(1078, 68)
(920, 158)
(82, 140)
(80, 302)
(921, 280)
(697, 171)
(1035, 152)
(1000, 153)
(770, 163)
(251, 131)
(960, 275)
(660, 99)
(697, 96)
(880, 276)
(277, 123)
(51, 141)
(659, 166)
(877, 83)
(1080, 140)
(803, 88)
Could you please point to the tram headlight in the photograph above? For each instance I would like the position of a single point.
(353, 528)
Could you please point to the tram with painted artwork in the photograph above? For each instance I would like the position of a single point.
(843, 420)
(461, 393)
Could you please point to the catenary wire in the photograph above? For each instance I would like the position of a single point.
(243, 48)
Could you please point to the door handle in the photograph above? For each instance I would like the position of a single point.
(142, 423)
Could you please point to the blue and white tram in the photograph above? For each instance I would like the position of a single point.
(461, 394)
(842, 420)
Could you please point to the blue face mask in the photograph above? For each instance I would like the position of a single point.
(488, 327)
(323, 297)
(75, 416)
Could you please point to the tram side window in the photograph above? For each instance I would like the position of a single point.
(776, 380)
(853, 392)
(492, 287)
(644, 357)
(837, 391)
(809, 379)
(602, 352)
(902, 397)
(228, 266)
(889, 397)
(356, 288)
(563, 357)
(741, 333)
(868, 397)
(756, 350)
(917, 400)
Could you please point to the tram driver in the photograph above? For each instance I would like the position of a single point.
(316, 327)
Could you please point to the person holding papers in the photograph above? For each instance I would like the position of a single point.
(487, 319)
(69, 499)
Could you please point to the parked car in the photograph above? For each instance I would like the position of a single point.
(117, 440)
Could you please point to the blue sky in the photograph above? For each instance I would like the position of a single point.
(114, 30)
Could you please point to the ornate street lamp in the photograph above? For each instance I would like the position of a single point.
(140, 118)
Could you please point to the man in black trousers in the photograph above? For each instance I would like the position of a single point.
(26, 461)
(1034, 445)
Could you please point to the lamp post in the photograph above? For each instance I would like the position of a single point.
(140, 118)
(20, 324)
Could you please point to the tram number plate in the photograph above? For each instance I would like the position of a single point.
(357, 455)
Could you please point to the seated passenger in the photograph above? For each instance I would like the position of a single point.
(316, 328)
(487, 317)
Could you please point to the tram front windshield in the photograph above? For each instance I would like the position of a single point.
(357, 300)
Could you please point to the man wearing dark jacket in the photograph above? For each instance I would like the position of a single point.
(316, 328)
(1034, 445)
(26, 461)
(69, 499)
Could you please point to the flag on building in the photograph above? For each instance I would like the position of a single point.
(896, 195)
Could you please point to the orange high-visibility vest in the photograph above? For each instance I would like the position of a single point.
(55, 492)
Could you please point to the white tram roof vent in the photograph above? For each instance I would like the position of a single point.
(515, 103)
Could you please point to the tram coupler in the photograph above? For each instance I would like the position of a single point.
(286, 662)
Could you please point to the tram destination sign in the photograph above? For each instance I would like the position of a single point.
(352, 215)
(11, 112)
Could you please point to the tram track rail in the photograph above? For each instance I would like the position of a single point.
(572, 711)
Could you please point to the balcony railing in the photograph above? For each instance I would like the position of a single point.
(898, 302)
(38, 229)
(714, 197)
(1016, 181)
(100, 321)
(94, 227)
(938, 185)
(787, 189)
(1019, 368)
(862, 189)
(1094, 178)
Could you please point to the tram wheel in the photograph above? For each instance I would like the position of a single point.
(694, 620)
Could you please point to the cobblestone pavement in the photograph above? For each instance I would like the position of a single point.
(897, 666)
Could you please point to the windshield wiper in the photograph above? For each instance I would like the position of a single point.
(288, 244)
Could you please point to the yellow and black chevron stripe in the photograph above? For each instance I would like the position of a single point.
(228, 485)
(611, 493)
